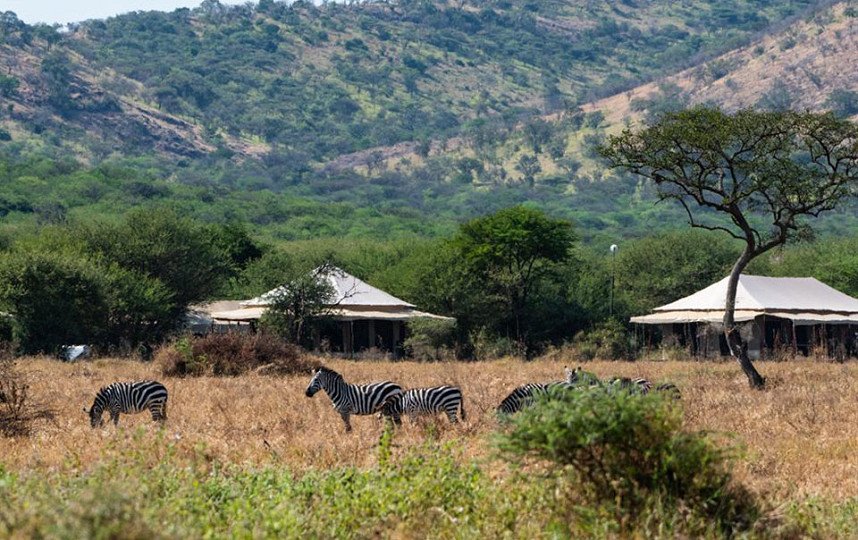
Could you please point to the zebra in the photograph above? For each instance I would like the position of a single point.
(129, 398)
(351, 399)
(417, 401)
(522, 396)
(670, 389)
(580, 378)
(643, 386)
(633, 386)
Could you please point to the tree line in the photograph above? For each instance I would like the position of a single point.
(516, 281)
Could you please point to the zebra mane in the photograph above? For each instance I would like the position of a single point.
(329, 371)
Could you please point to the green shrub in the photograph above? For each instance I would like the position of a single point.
(628, 453)
(230, 354)
(430, 339)
(607, 341)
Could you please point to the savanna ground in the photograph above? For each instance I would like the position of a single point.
(270, 449)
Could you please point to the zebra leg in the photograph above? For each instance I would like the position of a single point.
(345, 417)
(159, 412)
(114, 415)
(451, 414)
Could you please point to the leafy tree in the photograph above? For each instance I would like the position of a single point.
(529, 167)
(55, 300)
(510, 252)
(754, 175)
(8, 85)
(306, 299)
(163, 246)
(832, 261)
(658, 269)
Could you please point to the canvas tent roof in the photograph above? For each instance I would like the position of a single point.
(348, 291)
(803, 300)
(353, 300)
(341, 314)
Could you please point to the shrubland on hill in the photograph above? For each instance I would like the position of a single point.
(306, 119)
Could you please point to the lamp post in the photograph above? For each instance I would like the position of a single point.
(614, 249)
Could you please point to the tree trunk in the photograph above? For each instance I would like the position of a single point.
(739, 349)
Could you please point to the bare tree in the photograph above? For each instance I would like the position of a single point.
(753, 175)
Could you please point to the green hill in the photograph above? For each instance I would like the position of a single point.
(372, 119)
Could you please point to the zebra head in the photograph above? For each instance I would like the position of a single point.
(579, 377)
(322, 378)
(571, 374)
(97, 410)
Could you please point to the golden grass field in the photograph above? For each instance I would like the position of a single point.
(800, 437)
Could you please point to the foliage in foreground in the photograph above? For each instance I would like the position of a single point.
(146, 487)
(629, 454)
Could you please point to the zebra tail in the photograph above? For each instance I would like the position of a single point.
(462, 410)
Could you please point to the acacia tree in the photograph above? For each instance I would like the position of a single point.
(756, 176)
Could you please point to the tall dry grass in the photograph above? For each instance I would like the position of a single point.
(800, 436)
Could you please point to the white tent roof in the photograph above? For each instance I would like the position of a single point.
(769, 294)
(348, 291)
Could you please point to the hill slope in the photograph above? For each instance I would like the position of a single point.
(378, 118)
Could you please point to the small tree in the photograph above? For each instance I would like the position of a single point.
(759, 174)
(305, 299)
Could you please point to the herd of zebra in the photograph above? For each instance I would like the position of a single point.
(386, 398)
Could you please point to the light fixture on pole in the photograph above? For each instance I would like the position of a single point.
(614, 249)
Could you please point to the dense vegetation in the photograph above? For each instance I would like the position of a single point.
(516, 281)
(257, 110)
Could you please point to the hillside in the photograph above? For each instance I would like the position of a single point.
(373, 119)
(802, 67)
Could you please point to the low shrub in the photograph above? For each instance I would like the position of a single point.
(607, 341)
(628, 453)
(18, 410)
(230, 354)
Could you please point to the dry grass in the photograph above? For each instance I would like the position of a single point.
(800, 435)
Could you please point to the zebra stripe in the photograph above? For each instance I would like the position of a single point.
(633, 386)
(523, 396)
(669, 388)
(129, 398)
(351, 399)
(419, 401)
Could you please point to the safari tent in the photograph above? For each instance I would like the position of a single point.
(798, 315)
(362, 316)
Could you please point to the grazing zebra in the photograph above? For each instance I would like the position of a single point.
(129, 398)
(643, 386)
(351, 399)
(633, 386)
(417, 401)
(670, 389)
(522, 396)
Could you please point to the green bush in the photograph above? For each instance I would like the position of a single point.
(628, 453)
(430, 339)
(607, 341)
